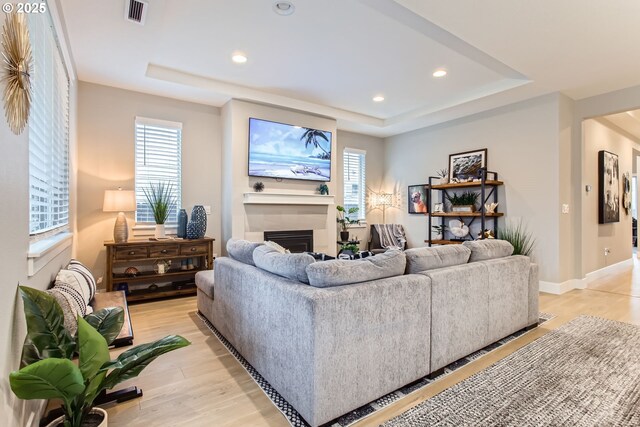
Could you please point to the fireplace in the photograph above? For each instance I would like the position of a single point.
(294, 240)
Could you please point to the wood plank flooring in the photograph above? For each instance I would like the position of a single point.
(203, 385)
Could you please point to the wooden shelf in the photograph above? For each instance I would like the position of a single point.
(488, 183)
(447, 242)
(466, 214)
(149, 276)
(161, 292)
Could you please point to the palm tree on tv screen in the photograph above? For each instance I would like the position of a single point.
(310, 137)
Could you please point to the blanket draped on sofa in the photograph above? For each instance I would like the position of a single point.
(391, 235)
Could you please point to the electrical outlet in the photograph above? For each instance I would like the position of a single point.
(607, 251)
(207, 209)
(565, 208)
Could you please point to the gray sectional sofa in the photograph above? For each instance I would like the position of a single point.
(332, 336)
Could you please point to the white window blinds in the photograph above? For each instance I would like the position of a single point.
(354, 180)
(158, 160)
(48, 130)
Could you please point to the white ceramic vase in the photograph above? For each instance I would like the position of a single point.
(159, 232)
(60, 420)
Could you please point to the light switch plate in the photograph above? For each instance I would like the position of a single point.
(207, 209)
(565, 208)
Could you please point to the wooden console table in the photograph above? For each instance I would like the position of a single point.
(145, 254)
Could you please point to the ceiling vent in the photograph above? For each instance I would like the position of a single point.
(136, 11)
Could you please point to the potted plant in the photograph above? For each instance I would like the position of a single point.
(323, 189)
(48, 372)
(443, 174)
(349, 249)
(346, 222)
(463, 202)
(161, 200)
(518, 235)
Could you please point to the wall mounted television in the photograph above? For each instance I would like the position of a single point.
(278, 150)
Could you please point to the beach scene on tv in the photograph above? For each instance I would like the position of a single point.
(278, 150)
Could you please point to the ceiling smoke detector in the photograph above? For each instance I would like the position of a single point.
(135, 11)
(283, 8)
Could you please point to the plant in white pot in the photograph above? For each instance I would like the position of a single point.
(161, 200)
(48, 371)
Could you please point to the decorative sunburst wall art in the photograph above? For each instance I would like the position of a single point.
(18, 64)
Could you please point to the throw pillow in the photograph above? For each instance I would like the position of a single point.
(429, 258)
(75, 265)
(242, 250)
(482, 250)
(342, 272)
(291, 266)
(277, 247)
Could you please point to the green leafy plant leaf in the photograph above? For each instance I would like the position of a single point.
(466, 198)
(517, 234)
(130, 363)
(107, 321)
(46, 334)
(48, 379)
(93, 351)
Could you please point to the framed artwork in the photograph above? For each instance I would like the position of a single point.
(418, 196)
(608, 188)
(467, 165)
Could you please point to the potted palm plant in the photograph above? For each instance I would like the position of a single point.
(161, 200)
(345, 221)
(48, 372)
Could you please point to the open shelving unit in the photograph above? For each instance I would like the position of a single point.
(488, 193)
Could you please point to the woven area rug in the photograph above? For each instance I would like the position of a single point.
(297, 421)
(585, 373)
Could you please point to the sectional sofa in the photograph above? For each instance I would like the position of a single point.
(331, 336)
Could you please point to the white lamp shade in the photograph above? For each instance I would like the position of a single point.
(119, 201)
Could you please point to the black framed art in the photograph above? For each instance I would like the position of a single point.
(418, 196)
(608, 188)
(466, 166)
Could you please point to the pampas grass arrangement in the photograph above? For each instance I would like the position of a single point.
(518, 235)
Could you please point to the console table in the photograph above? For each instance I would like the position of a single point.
(144, 255)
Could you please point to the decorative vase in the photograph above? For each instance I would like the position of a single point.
(344, 236)
(182, 223)
(159, 232)
(197, 226)
(58, 422)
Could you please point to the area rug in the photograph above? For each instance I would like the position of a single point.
(585, 373)
(297, 421)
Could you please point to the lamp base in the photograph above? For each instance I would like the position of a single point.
(121, 229)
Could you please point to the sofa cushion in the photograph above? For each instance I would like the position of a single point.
(291, 266)
(205, 282)
(429, 258)
(242, 250)
(342, 272)
(485, 249)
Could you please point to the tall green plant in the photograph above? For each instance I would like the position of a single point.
(161, 199)
(343, 217)
(49, 373)
(463, 199)
(517, 234)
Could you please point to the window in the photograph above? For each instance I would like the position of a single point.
(354, 180)
(158, 159)
(48, 131)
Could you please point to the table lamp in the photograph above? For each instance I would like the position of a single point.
(120, 201)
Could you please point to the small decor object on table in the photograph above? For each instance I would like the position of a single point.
(161, 200)
(258, 187)
(18, 67)
(458, 228)
(418, 198)
(183, 219)
(466, 166)
(438, 208)
(443, 174)
(609, 188)
(323, 189)
(345, 221)
(162, 266)
(490, 208)
(131, 272)
(464, 202)
(197, 226)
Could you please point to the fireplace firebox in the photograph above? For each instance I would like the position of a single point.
(294, 240)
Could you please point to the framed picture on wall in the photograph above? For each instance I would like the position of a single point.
(608, 188)
(467, 165)
(418, 196)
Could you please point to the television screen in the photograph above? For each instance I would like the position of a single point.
(278, 150)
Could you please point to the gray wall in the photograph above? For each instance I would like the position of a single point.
(107, 159)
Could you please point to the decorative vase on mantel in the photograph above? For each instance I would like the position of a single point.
(197, 226)
(182, 224)
(344, 236)
(159, 232)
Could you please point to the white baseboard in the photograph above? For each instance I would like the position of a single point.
(569, 285)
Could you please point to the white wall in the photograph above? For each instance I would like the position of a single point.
(602, 135)
(107, 160)
(522, 143)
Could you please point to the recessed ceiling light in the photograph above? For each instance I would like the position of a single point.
(378, 98)
(283, 8)
(440, 73)
(239, 58)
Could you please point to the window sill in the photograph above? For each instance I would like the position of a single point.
(44, 250)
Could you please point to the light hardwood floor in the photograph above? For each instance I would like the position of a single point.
(203, 385)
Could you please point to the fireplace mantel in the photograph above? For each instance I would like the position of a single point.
(264, 198)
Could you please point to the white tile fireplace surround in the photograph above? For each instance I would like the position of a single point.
(285, 211)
